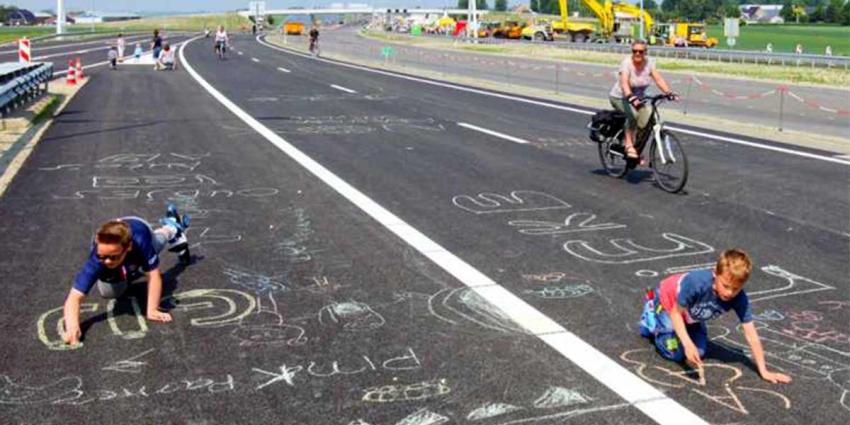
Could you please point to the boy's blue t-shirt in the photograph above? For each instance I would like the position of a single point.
(142, 257)
(696, 294)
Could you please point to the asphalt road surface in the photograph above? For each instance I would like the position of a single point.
(803, 107)
(379, 263)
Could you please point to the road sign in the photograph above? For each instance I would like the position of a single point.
(257, 8)
(731, 28)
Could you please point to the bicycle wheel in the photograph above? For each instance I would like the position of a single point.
(611, 153)
(669, 164)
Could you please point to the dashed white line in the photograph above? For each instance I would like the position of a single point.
(494, 133)
(255, 59)
(347, 90)
(560, 107)
(639, 393)
(283, 70)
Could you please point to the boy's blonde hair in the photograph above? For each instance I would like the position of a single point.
(114, 232)
(737, 263)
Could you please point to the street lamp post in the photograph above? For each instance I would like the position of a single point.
(641, 20)
(60, 16)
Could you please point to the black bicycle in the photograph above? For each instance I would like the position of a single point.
(667, 159)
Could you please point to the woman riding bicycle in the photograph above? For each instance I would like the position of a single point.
(635, 75)
(221, 40)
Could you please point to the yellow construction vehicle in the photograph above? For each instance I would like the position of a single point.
(685, 34)
(509, 29)
(576, 31)
(634, 12)
(293, 28)
(541, 30)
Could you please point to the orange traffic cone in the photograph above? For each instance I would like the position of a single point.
(80, 75)
(71, 78)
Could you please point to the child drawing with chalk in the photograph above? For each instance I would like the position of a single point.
(676, 311)
(123, 250)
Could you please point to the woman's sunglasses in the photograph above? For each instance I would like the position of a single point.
(638, 52)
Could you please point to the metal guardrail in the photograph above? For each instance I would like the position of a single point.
(694, 53)
(21, 83)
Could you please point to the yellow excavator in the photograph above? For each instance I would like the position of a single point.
(606, 13)
(635, 12)
(577, 31)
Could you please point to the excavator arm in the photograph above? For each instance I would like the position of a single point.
(636, 12)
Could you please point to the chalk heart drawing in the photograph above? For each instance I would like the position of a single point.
(560, 292)
(463, 304)
(672, 376)
(628, 251)
(225, 307)
(518, 200)
(555, 397)
(490, 410)
(576, 222)
(795, 285)
(353, 316)
(13, 393)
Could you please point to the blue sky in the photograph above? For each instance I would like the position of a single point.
(211, 5)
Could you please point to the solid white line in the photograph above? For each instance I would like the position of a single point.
(283, 70)
(255, 59)
(494, 133)
(634, 390)
(561, 107)
(343, 88)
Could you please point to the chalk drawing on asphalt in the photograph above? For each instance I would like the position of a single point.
(518, 200)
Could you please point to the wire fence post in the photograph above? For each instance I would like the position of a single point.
(782, 90)
(557, 80)
(687, 94)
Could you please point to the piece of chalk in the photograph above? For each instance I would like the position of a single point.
(701, 373)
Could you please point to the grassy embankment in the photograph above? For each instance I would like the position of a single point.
(790, 74)
(814, 38)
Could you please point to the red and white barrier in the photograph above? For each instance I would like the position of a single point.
(80, 75)
(24, 54)
(71, 77)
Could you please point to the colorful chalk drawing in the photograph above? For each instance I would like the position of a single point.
(576, 222)
(516, 201)
(133, 161)
(423, 417)
(351, 316)
(555, 397)
(490, 410)
(718, 375)
(266, 326)
(255, 282)
(463, 304)
(55, 392)
(628, 251)
(226, 307)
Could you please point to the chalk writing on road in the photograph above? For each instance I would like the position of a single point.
(628, 251)
(351, 316)
(225, 307)
(133, 162)
(561, 292)
(463, 304)
(796, 285)
(131, 365)
(406, 392)
(516, 201)
(576, 222)
(266, 326)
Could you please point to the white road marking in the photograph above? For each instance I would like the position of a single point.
(343, 88)
(652, 402)
(283, 70)
(494, 133)
(561, 107)
(255, 60)
(239, 53)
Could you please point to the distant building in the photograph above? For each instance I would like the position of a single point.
(20, 17)
(98, 17)
(761, 13)
(44, 18)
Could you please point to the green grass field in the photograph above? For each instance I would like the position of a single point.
(814, 38)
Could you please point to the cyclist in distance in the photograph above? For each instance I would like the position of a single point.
(636, 73)
(314, 40)
(221, 41)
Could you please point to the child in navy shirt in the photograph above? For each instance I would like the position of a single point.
(676, 312)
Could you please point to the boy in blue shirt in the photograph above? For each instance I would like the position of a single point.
(123, 250)
(676, 312)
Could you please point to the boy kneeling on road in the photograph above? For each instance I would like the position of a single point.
(676, 311)
(123, 249)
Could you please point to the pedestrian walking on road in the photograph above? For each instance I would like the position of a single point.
(113, 57)
(676, 311)
(123, 250)
(156, 44)
(120, 43)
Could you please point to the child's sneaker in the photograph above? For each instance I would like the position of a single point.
(648, 319)
(179, 244)
(171, 211)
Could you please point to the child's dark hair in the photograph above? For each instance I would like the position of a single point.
(114, 232)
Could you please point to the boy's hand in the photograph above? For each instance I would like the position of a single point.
(72, 336)
(158, 316)
(692, 355)
(776, 378)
